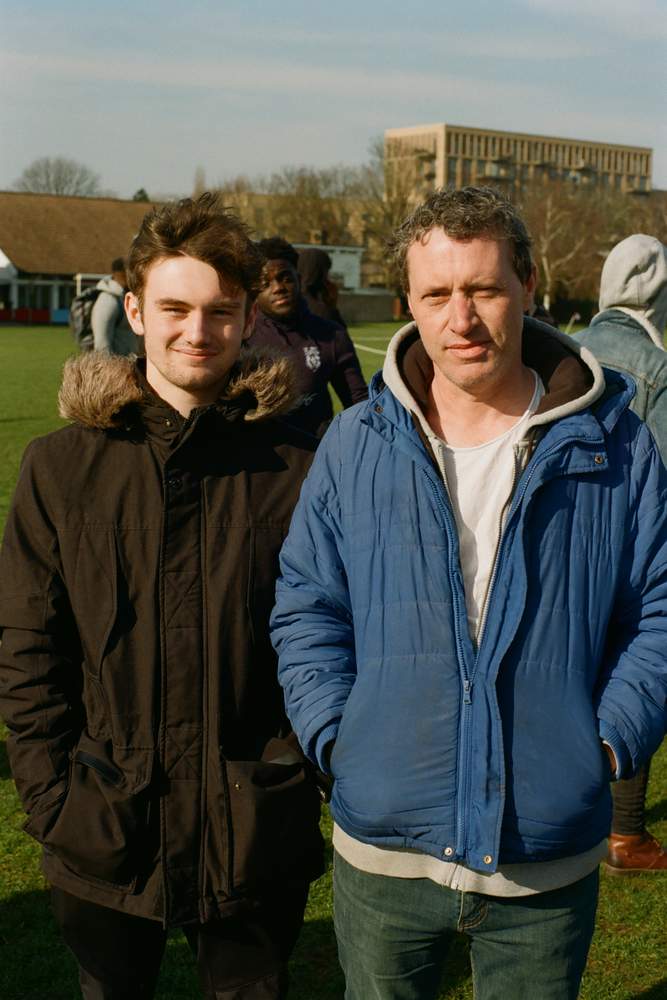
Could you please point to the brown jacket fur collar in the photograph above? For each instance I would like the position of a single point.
(98, 389)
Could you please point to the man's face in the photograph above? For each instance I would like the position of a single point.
(468, 303)
(279, 290)
(193, 323)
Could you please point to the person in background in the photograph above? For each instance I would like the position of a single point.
(537, 310)
(472, 622)
(112, 332)
(147, 733)
(320, 350)
(320, 293)
(628, 334)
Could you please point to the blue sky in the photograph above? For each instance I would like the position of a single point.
(143, 92)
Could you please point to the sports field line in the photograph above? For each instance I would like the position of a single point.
(377, 336)
(371, 350)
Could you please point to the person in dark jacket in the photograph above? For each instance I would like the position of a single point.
(320, 293)
(321, 350)
(628, 334)
(147, 734)
(472, 621)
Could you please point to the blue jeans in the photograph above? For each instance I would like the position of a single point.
(393, 936)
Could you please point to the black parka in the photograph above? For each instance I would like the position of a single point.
(148, 739)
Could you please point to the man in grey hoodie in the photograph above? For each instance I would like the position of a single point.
(111, 330)
(628, 334)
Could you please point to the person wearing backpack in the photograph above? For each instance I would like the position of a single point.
(110, 328)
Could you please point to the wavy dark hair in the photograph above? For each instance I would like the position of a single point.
(202, 228)
(464, 214)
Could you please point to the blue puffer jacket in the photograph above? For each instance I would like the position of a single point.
(489, 756)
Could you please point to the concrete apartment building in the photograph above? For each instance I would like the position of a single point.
(431, 156)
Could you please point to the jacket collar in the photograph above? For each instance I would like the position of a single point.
(108, 392)
(638, 319)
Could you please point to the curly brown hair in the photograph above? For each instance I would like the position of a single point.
(464, 214)
(202, 228)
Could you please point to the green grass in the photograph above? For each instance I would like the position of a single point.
(628, 959)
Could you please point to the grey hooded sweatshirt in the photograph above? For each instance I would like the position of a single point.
(111, 331)
(628, 332)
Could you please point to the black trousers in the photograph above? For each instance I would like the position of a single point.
(243, 957)
(630, 803)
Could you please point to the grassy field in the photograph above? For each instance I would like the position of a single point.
(629, 956)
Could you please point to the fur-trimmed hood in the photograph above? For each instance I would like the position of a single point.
(100, 390)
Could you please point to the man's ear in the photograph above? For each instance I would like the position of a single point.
(249, 321)
(133, 313)
(529, 288)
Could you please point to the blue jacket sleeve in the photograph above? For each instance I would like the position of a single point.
(633, 694)
(312, 621)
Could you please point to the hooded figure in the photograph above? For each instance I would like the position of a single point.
(628, 332)
(321, 294)
(628, 335)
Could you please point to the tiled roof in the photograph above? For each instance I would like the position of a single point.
(55, 234)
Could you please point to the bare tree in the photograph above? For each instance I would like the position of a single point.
(387, 197)
(302, 204)
(199, 184)
(58, 175)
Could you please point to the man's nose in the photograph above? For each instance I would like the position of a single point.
(462, 314)
(197, 327)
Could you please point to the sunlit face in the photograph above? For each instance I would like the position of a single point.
(193, 323)
(468, 303)
(279, 289)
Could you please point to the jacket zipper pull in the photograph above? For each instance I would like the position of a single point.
(467, 693)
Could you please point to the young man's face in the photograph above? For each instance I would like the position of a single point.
(193, 323)
(468, 303)
(279, 290)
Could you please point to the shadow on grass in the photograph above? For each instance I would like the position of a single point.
(657, 992)
(35, 962)
(657, 812)
(5, 770)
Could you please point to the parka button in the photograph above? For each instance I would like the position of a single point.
(174, 483)
(448, 851)
(487, 859)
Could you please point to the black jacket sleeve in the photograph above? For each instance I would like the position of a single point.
(39, 658)
(346, 378)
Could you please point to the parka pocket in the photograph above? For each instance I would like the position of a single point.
(101, 830)
(274, 811)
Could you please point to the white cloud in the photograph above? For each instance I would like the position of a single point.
(638, 19)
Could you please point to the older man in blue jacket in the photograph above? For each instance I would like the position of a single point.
(472, 623)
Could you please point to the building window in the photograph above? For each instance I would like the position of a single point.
(451, 169)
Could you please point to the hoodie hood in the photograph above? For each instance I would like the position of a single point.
(100, 390)
(634, 281)
(571, 376)
(313, 266)
(111, 286)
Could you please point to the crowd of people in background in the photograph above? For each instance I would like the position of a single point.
(444, 609)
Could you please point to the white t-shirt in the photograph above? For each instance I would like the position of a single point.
(480, 482)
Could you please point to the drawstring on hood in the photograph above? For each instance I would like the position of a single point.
(634, 281)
